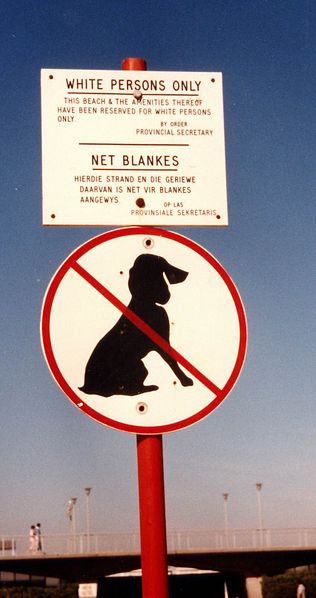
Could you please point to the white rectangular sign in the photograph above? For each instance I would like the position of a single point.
(88, 590)
(133, 148)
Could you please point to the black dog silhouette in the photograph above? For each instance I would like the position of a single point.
(115, 366)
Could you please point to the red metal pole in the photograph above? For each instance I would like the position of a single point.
(134, 64)
(152, 517)
(151, 487)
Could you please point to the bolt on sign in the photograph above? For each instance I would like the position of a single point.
(133, 148)
(143, 330)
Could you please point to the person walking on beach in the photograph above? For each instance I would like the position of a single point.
(38, 534)
(32, 538)
(300, 592)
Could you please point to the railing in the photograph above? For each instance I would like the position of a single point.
(178, 541)
(113, 543)
(242, 539)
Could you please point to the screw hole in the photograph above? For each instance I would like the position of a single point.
(148, 243)
(51, 76)
(140, 202)
(138, 95)
(141, 408)
(53, 216)
(218, 217)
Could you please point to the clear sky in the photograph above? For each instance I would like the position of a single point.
(265, 430)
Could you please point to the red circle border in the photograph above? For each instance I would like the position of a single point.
(53, 366)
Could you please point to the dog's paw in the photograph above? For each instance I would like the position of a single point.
(186, 381)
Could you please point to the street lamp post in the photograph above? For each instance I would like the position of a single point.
(225, 497)
(88, 492)
(73, 521)
(69, 514)
(260, 523)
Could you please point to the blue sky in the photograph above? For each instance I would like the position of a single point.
(265, 430)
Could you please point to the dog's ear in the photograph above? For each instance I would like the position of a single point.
(147, 272)
(174, 275)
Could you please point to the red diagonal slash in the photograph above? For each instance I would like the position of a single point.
(145, 328)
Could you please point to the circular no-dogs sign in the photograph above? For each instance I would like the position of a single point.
(143, 330)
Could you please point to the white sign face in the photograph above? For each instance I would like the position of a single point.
(133, 147)
(143, 330)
